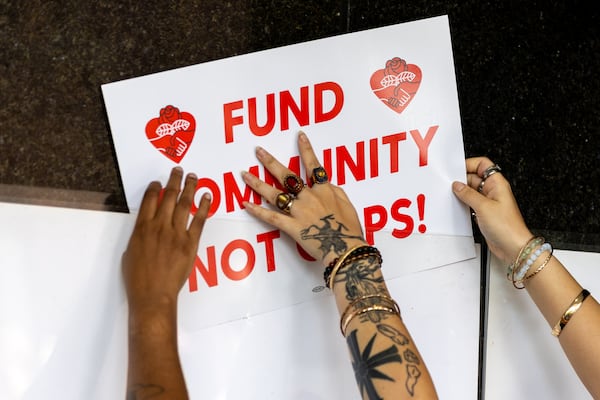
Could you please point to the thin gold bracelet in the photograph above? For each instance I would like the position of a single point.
(387, 301)
(374, 307)
(566, 317)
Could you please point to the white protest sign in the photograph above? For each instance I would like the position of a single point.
(63, 321)
(381, 110)
(380, 107)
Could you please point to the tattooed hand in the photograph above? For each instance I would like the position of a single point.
(324, 222)
(321, 218)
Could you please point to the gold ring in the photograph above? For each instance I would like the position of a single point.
(284, 201)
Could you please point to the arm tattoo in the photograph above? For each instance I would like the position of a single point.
(411, 357)
(412, 377)
(142, 391)
(412, 371)
(332, 239)
(393, 333)
(366, 365)
(359, 278)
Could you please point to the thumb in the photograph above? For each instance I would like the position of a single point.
(468, 195)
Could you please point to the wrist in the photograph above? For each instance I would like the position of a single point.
(153, 318)
(518, 242)
(332, 256)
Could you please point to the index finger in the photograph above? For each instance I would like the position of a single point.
(149, 202)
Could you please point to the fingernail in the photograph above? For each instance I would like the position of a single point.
(302, 136)
(245, 176)
(260, 152)
(178, 169)
(458, 186)
(192, 175)
(207, 196)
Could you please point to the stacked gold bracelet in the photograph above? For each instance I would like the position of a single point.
(528, 255)
(365, 304)
(356, 253)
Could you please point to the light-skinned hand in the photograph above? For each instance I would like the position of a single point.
(322, 219)
(496, 211)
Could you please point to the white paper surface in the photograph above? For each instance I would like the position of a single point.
(299, 353)
(63, 321)
(524, 360)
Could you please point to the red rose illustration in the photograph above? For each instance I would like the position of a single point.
(395, 66)
(396, 84)
(169, 114)
(172, 132)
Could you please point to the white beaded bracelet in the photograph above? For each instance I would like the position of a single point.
(532, 258)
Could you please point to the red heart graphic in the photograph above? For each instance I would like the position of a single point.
(396, 84)
(172, 132)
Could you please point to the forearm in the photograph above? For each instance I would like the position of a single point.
(553, 290)
(385, 359)
(154, 368)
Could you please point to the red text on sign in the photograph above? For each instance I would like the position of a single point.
(342, 164)
(209, 270)
(376, 218)
(285, 108)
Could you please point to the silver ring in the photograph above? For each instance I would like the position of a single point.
(480, 187)
(491, 170)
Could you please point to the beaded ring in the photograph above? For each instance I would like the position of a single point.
(293, 183)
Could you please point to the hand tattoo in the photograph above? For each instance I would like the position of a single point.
(331, 239)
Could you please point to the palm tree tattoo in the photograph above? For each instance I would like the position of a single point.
(331, 239)
(365, 365)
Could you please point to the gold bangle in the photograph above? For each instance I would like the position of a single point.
(386, 299)
(374, 307)
(339, 263)
(566, 317)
